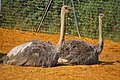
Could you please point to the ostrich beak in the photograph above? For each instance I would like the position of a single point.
(69, 9)
(105, 17)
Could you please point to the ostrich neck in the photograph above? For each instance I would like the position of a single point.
(62, 30)
(100, 31)
(99, 46)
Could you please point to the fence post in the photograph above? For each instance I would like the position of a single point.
(0, 6)
(76, 23)
(44, 15)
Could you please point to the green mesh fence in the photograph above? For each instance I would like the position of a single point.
(26, 15)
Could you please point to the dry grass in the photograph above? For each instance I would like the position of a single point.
(108, 70)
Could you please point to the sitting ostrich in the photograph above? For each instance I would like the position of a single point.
(35, 52)
(79, 52)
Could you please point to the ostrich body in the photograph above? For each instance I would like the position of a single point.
(79, 52)
(35, 52)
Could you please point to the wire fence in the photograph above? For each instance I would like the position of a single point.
(26, 15)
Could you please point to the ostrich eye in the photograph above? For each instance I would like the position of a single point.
(66, 7)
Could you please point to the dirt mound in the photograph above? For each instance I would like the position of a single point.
(109, 68)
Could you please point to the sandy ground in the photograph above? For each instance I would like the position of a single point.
(109, 69)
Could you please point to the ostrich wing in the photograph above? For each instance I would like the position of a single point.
(18, 49)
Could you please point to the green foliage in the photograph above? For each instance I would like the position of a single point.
(27, 14)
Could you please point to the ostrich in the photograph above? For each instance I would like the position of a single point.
(35, 52)
(79, 52)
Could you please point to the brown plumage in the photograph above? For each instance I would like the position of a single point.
(79, 52)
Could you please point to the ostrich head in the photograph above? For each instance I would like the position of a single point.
(101, 16)
(65, 9)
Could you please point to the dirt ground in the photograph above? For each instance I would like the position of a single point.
(109, 69)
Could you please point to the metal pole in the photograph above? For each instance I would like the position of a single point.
(76, 23)
(0, 5)
(64, 2)
(46, 10)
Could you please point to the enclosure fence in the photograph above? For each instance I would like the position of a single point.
(26, 15)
